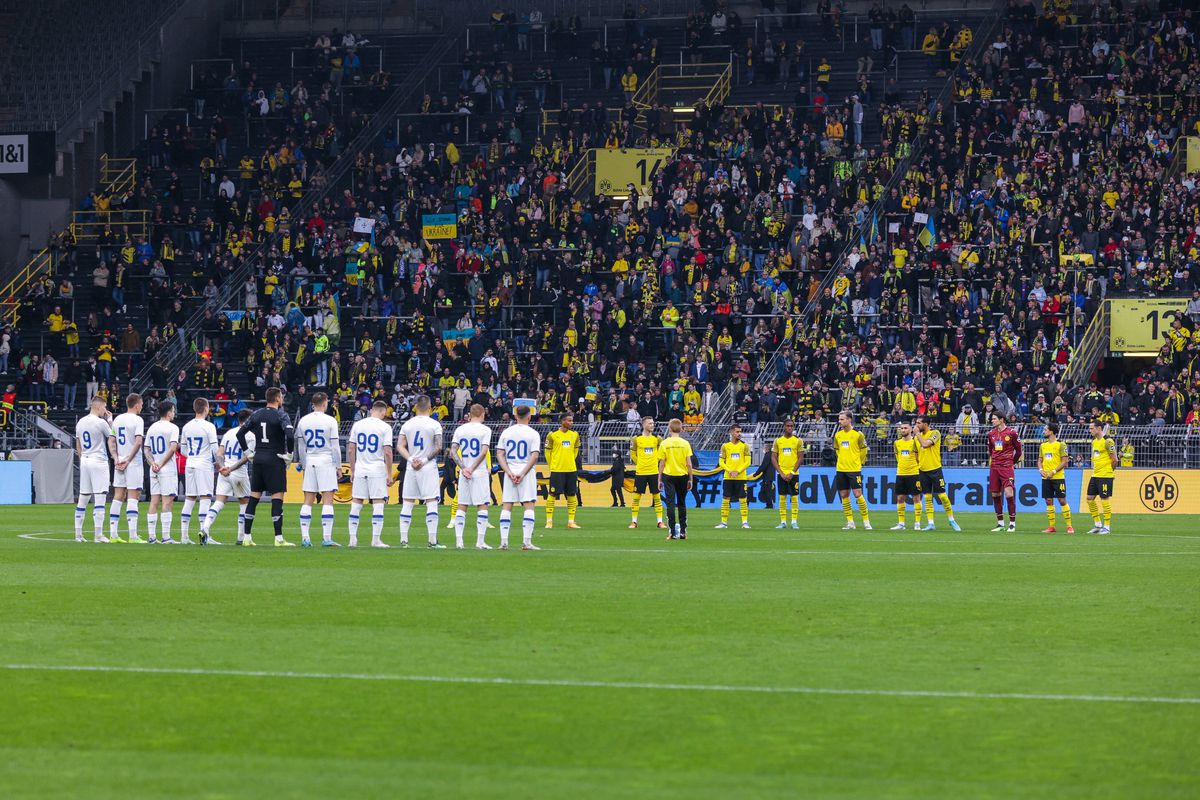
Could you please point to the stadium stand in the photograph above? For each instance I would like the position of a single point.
(1007, 173)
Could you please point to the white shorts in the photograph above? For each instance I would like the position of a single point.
(93, 477)
(320, 478)
(476, 490)
(369, 487)
(132, 477)
(165, 482)
(422, 484)
(198, 481)
(523, 492)
(235, 485)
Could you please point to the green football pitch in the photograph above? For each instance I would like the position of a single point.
(740, 663)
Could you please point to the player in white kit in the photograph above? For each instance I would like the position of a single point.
(319, 454)
(199, 443)
(419, 442)
(369, 452)
(94, 445)
(162, 442)
(469, 448)
(129, 431)
(517, 451)
(233, 481)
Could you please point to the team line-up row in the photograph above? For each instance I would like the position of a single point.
(217, 471)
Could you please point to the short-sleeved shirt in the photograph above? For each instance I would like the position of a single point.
(907, 456)
(787, 452)
(1053, 457)
(675, 453)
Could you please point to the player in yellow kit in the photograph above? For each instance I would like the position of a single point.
(788, 454)
(562, 451)
(1104, 459)
(735, 461)
(929, 462)
(1052, 460)
(643, 452)
(908, 479)
(851, 448)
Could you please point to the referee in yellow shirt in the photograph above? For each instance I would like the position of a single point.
(1052, 460)
(643, 452)
(787, 453)
(675, 474)
(735, 461)
(1104, 459)
(562, 447)
(851, 448)
(908, 480)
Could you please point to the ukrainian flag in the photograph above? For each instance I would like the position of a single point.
(928, 233)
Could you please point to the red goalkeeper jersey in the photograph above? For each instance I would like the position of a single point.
(1004, 446)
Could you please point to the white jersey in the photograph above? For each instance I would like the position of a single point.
(198, 440)
(471, 439)
(317, 440)
(92, 433)
(126, 429)
(232, 452)
(370, 436)
(159, 438)
(520, 445)
(422, 434)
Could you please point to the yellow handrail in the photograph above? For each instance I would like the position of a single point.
(86, 225)
(10, 295)
(117, 175)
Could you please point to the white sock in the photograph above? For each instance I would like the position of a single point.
(205, 504)
(114, 519)
(211, 517)
(80, 511)
(241, 523)
(327, 522)
(460, 522)
(131, 516)
(305, 520)
(377, 523)
(152, 525)
(355, 510)
(98, 513)
(165, 518)
(505, 522)
(527, 528)
(185, 518)
(405, 520)
(431, 519)
(481, 526)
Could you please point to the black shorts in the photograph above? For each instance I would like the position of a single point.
(788, 487)
(1054, 489)
(908, 485)
(933, 481)
(847, 481)
(733, 490)
(564, 484)
(268, 475)
(645, 483)
(1100, 487)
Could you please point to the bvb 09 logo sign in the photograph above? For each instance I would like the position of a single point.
(1158, 492)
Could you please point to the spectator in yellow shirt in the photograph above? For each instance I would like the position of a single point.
(670, 324)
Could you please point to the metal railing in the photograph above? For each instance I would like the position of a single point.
(88, 225)
(11, 295)
(117, 175)
(1091, 347)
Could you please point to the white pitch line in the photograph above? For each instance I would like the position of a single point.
(581, 684)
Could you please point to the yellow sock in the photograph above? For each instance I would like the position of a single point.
(572, 504)
(745, 510)
(927, 503)
(846, 512)
(724, 511)
(550, 508)
(1050, 515)
(944, 499)
(637, 502)
(657, 505)
(783, 500)
(795, 501)
(1095, 512)
(1066, 509)
(1106, 504)
(902, 510)
(862, 507)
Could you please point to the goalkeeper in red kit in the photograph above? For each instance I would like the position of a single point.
(1004, 453)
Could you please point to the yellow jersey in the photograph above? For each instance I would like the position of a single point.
(643, 452)
(675, 453)
(787, 452)
(930, 458)
(735, 460)
(1053, 459)
(906, 456)
(561, 449)
(851, 447)
(1102, 457)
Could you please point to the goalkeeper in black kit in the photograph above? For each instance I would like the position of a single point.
(275, 439)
